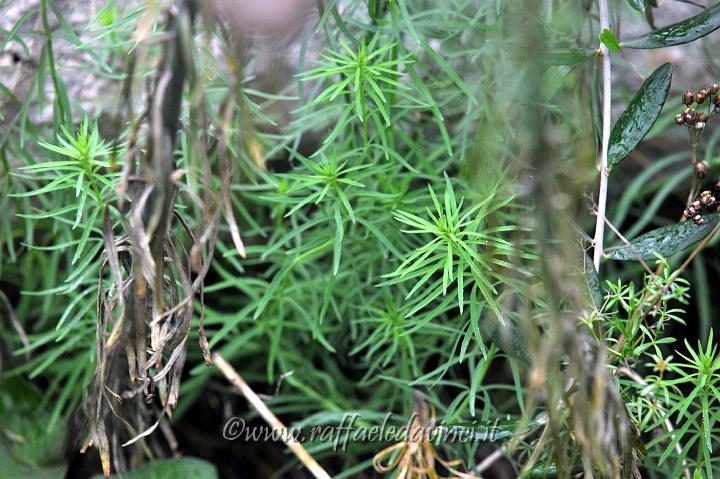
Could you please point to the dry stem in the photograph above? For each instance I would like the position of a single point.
(315, 469)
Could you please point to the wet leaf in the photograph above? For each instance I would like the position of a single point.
(640, 115)
(639, 5)
(678, 33)
(608, 39)
(665, 241)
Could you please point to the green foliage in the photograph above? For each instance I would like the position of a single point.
(86, 171)
(398, 241)
(461, 245)
(363, 77)
(657, 396)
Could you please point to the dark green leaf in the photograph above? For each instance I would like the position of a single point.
(665, 241)
(640, 116)
(639, 5)
(679, 33)
(608, 39)
(183, 468)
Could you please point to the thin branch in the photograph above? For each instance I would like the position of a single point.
(632, 249)
(690, 2)
(491, 459)
(602, 195)
(269, 417)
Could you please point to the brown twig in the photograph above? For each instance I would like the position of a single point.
(257, 404)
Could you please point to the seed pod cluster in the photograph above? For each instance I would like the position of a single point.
(691, 116)
(702, 203)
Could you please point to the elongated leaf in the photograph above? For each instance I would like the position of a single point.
(639, 5)
(640, 116)
(592, 280)
(678, 33)
(665, 241)
(569, 56)
(491, 430)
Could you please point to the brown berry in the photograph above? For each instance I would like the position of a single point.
(699, 98)
(698, 220)
(714, 88)
(688, 97)
(702, 117)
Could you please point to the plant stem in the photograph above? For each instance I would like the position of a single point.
(602, 195)
(229, 372)
(51, 59)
